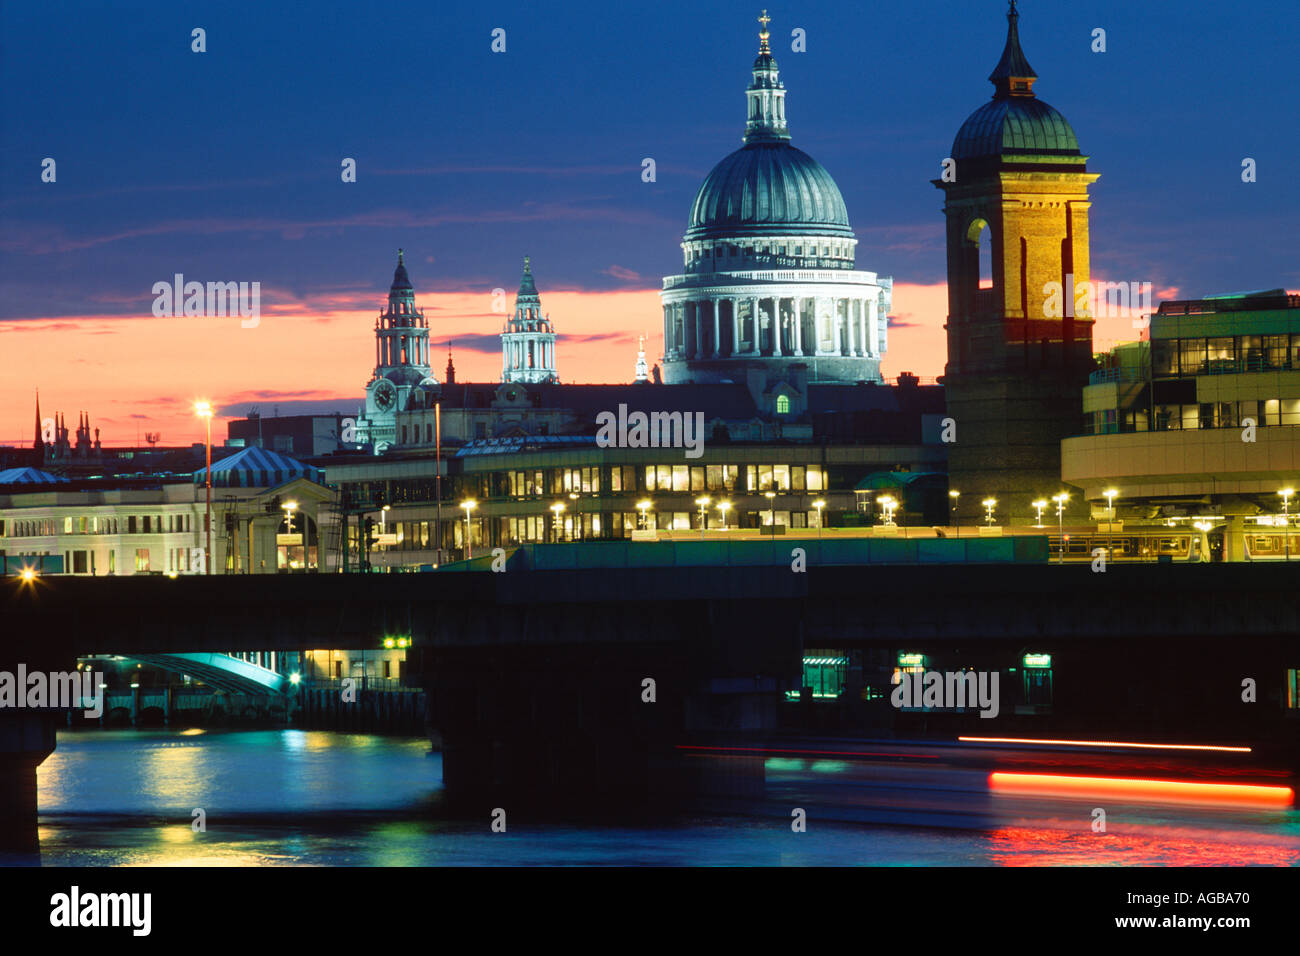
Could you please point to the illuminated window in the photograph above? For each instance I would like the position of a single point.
(783, 404)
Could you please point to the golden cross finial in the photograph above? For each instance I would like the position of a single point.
(763, 34)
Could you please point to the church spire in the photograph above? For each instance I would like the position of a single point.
(1013, 76)
(766, 95)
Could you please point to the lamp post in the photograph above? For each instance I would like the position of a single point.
(383, 529)
(1038, 506)
(954, 495)
(644, 506)
(989, 505)
(1286, 494)
(289, 507)
(1060, 500)
(724, 506)
(887, 504)
(558, 509)
(771, 500)
(469, 504)
(819, 504)
(204, 411)
(703, 502)
(1110, 494)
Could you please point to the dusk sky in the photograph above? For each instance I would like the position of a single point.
(225, 166)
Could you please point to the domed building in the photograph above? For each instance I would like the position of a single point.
(769, 278)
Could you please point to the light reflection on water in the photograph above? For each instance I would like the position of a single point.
(293, 797)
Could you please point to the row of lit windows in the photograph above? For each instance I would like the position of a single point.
(1271, 411)
(1223, 354)
(97, 524)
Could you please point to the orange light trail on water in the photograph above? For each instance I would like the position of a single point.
(1160, 791)
(1103, 743)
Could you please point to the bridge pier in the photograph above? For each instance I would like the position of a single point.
(26, 739)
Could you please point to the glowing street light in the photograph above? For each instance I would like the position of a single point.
(1038, 506)
(819, 504)
(558, 509)
(989, 505)
(1110, 494)
(469, 504)
(1286, 494)
(954, 495)
(724, 506)
(644, 506)
(1060, 500)
(703, 502)
(887, 505)
(771, 499)
(29, 575)
(204, 410)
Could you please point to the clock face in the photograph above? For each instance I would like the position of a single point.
(385, 395)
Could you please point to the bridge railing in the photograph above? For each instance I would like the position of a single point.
(361, 683)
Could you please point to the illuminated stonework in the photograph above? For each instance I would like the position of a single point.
(769, 278)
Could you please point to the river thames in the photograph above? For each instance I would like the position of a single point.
(294, 797)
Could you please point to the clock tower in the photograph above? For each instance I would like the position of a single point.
(402, 372)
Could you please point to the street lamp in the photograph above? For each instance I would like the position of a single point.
(724, 506)
(954, 495)
(1110, 494)
(703, 502)
(1060, 500)
(289, 507)
(1286, 494)
(644, 506)
(989, 505)
(887, 505)
(771, 499)
(469, 504)
(383, 515)
(558, 509)
(819, 504)
(1038, 506)
(204, 411)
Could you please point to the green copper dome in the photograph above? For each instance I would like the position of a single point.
(1014, 125)
(768, 188)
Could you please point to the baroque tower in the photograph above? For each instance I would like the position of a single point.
(528, 340)
(1019, 352)
(401, 363)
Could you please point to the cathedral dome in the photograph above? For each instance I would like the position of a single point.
(768, 187)
(1014, 125)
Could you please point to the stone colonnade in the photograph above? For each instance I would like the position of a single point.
(742, 325)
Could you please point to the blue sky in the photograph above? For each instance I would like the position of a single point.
(226, 164)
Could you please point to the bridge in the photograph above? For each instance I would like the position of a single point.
(535, 674)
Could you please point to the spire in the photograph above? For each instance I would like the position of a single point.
(527, 288)
(642, 372)
(40, 439)
(401, 281)
(766, 95)
(450, 377)
(1013, 76)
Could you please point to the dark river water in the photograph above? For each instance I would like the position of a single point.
(294, 797)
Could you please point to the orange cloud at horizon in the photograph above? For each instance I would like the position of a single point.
(141, 374)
